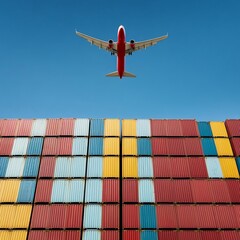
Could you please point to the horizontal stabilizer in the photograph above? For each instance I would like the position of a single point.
(113, 74)
(128, 74)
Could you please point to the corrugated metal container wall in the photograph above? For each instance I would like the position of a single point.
(79, 146)
(166, 216)
(148, 234)
(218, 129)
(173, 128)
(197, 167)
(59, 190)
(209, 148)
(229, 167)
(144, 147)
(3, 166)
(129, 167)
(95, 167)
(182, 191)
(111, 190)
(186, 215)
(55, 234)
(131, 234)
(161, 167)
(179, 167)
(81, 127)
(112, 127)
(130, 216)
(92, 235)
(111, 167)
(170, 235)
(130, 191)
(94, 189)
(143, 128)
(67, 127)
(65, 145)
(97, 127)
(213, 167)
(26, 191)
(148, 216)
(24, 127)
(220, 191)
(95, 146)
(223, 147)
(110, 216)
(193, 147)
(10, 127)
(129, 146)
(146, 191)
(110, 235)
(158, 128)
(233, 127)
(234, 190)
(20, 146)
(189, 128)
(91, 210)
(236, 146)
(31, 167)
(237, 162)
(159, 146)
(164, 190)
(9, 190)
(6, 145)
(204, 129)
(39, 127)
(35, 146)
(43, 191)
(15, 167)
(53, 127)
(50, 146)
(175, 146)
(129, 128)
(47, 167)
(13, 235)
(111, 146)
(145, 167)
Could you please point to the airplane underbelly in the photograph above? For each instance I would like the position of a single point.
(121, 58)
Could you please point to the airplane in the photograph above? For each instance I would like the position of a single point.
(121, 48)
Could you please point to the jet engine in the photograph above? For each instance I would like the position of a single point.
(110, 43)
(132, 44)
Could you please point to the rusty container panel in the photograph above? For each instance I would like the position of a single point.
(197, 167)
(130, 216)
(10, 127)
(110, 216)
(166, 216)
(67, 127)
(234, 190)
(6, 145)
(193, 147)
(189, 128)
(158, 128)
(131, 234)
(235, 142)
(130, 190)
(43, 191)
(110, 235)
(161, 167)
(176, 146)
(187, 217)
(183, 191)
(179, 167)
(40, 216)
(160, 146)
(220, 191)
(53, 127)
(111, 190)
(50, 146)
(65, 145)
(174, 128)
(164, 190)
(233, 127)
(47, 167)
(24, 128)
(205, 216)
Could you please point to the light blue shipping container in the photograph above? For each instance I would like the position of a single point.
(144, 146)
(205, 129)
(76, 191)
(97, 127)
(92, 216)
(148, 216)
(15, 167)
(149, 235)
(78, 167)
(59, 190)
(145, 167)
(31, 167)
(39, 127)
(81, 127)
(95, 167)
(146, 191)
(213, 167)
(35, 146)
(96, 146)
(3, 166)
(209, 147)
(94, 190)
(92, 235)
(143, 128)
(62, 167)
(26, 191)
(80, 146)
(20, 146)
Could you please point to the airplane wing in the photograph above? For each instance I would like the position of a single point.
(99, 43)
(143, 44)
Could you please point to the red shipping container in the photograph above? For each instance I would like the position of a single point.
(179, 167)
(38, 235)
(40, 216)
(57, 216)
(131, 235)
(58, 235)
(110, 216)
(166, 216)
(235, 142)
(111, 190)
(6, 145)
(193, 147)
(233, 127)
(182, 191)
(230, 235)
(164, 190)
(220, 191)
(174, 128)
(205, 216)
(234, 190)
(189, 235)
(109, 235)
(24, 127)
(167, 235)
(197, 167)
(130, 190)
(74, 216)
(10, 128)
(186, 215)
(53, 127)
(51, 146)
(202, 191)
(2, 123)
(55, 234)
(47, 167)
(211, 235)
(130, 216)
(175, 146)
(160, 146)
(236, 209)
(161, 167)
(43, 191)
(67, 127)
(65, 145)
(189, 128)
(158, 128)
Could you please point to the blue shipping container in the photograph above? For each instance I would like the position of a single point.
(3, 166)
(148, 217)
(97, 127)
(96, 146)
(31, 167)
(204, 129)
(26, 191)
(209, 148)
(35, 146)
(238, 164)
(149, 235)
(144, 147)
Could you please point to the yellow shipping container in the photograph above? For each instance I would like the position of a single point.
(9, 190)
(218, 129)
(223, 147)
(130, 167)
(129, 128)
(111, 146)
(229, 167)
(112, 127)
(129, 146)
(15, 216)
(111, 167)
(13, 235)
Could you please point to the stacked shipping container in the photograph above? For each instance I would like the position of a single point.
(90, 179)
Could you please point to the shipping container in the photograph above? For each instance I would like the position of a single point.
(129, 146)
(39, 127)
(233, 127)
(112, 127)
(65, 145)
(179, 167)
(187, 216)
(24, 128)
(174, 128)
(237, 163)
(35, 146)
(129, 128)
(145, 167)
(234, 190)
(79, 146)
(148, 234)
(91, 235)
(15, 167)
(50, 146)
(176, 146)
(43, 191)
(111, 190)
(111, 146)
(209, 147)
(3, 166)
(193, 147)
(148, 217)
(6, 145)
(95, 167)
(94, 190)
(96, 146)
(223, 147)
(31, 167)
(2, 123)
(168, 235)
(164, 190)
(10, 127)
(13, 235)
(230, 235)
(54, 234)
(110, 216)
(220, 191)
(111, 167)
(81, 127)
(9, 190)
(53, 127)
(161, 167)
(229, 167)
(213, 167)
(193, 235)
(146, 191)
(189, 128)
(197, 167)
(47, 167)
(97, 127)
(143, 127)
(130, 191)
(235, 142)
(20, 146)
(158, 128)
(218, 129)
(236, 209)
(205, 216)
(160, 146)
(67, 127)
(110, 235)
(131, 234)
(144, 147)
(204, 129)
(130, 216)
(182, 191)
(89, 221)
(26, 191)
(129, 167)
(166, 216)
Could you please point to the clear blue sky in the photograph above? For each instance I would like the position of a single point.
(47, 71)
